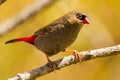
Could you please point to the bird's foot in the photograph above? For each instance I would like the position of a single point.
(75, 53)
(52, 64)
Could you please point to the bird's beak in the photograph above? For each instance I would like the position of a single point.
(86, 20)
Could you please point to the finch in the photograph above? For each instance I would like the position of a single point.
(58, 35)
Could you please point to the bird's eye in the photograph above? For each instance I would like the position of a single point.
(79, 16)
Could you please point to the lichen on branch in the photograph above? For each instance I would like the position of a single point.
(66, 61)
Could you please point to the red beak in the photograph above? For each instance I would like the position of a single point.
(86, 20)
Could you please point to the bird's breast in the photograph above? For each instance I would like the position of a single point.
(57, 40)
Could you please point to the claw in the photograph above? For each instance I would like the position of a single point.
(51, 63)
(75, 53)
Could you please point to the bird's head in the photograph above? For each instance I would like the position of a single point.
(77, 17)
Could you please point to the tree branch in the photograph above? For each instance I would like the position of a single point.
(66, 61)
(25, 14)
(2, 1)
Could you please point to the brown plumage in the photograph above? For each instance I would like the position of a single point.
(57, 35)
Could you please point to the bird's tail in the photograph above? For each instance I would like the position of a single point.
(29, 39)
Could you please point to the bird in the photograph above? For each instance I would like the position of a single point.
(57, 35)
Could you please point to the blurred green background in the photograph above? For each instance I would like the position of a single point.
(103, 31)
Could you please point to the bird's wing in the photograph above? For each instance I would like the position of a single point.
(49, 28)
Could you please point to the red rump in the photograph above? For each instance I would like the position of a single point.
(29, 39)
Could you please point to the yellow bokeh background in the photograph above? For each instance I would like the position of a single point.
(102, 32)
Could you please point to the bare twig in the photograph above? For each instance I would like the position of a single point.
(2, 1)
(26, 13)
(66, 61)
